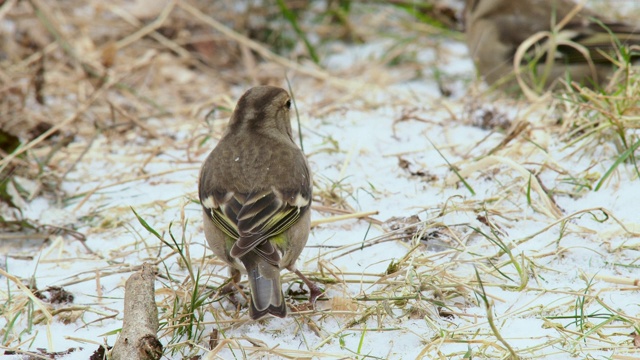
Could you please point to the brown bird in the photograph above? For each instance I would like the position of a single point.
(583, 51)
(255, 190)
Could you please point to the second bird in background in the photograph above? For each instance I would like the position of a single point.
(583, 51)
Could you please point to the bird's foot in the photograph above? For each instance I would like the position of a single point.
(315, 290)
(231, 290)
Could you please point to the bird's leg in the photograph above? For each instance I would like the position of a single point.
(313, 288)
(233, 286)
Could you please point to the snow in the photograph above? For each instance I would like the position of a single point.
(356, 152)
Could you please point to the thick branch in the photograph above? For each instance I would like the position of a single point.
(138, 339)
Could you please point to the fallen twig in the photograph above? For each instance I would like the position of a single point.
(138, 339)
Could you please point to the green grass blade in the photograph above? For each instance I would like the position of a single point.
(147, 226)
(291, 17)
(623, 157)
(453, 169)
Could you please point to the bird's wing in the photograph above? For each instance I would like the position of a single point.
(255, 217)
(214, 205)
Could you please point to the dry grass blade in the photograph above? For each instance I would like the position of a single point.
(260, 49)
(62, 124)
(356, 215)
(149, 28)
(548, 206)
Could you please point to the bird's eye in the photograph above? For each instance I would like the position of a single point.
(288, 104)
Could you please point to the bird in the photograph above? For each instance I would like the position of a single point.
(255, 188)
(584, 50)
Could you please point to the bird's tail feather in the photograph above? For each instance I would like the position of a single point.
(265, 285)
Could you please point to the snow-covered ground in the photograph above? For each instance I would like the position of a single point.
(523, 250)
